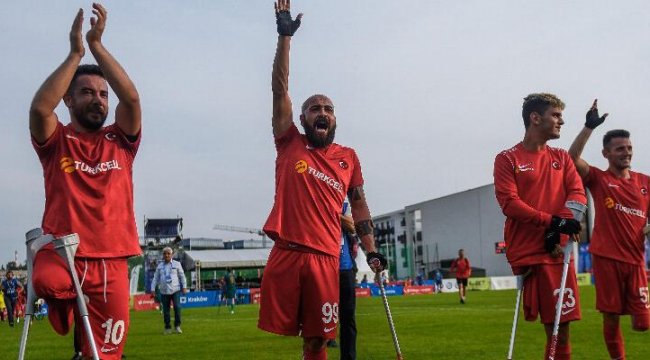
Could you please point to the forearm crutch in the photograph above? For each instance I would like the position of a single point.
(391, 324)
(578, 211)
(515, 320)
(35, 241)
(66, 247)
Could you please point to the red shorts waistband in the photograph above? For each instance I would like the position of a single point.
(288, 245)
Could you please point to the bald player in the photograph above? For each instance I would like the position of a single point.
(313, 176)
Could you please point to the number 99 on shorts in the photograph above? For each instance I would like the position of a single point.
(330, 313)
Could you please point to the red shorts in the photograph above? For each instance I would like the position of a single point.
(300, 293)
(541, 289)
(105, 285)
(621, 288)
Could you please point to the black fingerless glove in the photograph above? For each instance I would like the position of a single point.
(565, 225)
(377, 261)
(286, 25)
(593, 120)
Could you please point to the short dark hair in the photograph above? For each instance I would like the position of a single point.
(539, 102)
(85, 69)
(618, 133)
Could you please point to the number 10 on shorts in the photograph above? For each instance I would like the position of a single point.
(114, 332)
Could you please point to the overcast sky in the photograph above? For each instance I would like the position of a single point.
(427, 92)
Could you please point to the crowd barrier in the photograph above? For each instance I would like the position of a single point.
(252, 296)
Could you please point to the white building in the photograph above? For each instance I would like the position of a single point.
(420, 236)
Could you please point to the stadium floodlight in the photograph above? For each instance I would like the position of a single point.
(578, 211)
(391, 324)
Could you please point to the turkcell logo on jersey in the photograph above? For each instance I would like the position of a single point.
(69, 165)
(302, 167)
(611, 204)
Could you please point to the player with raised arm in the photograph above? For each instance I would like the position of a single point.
(88, 187)
(533, 182)
(313, 175)
(621, 202)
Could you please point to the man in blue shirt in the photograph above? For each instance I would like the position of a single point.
(438, 280)
(170, 278)
(10, 288)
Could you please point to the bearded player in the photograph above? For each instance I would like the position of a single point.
(533, 181)
(88, 187)
(313, 176)
(621, 202)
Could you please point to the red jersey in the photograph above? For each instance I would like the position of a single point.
(463, 268)
(530, 187)
(310, 187)
(622, 207)
(89, 191)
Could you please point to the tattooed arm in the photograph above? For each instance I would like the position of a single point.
(362, 220)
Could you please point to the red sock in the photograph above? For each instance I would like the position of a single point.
(614, 341)
(562, 352)
(310, 355)
(640, 322)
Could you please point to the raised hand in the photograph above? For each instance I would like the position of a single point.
(97, 24)
(286, 25)
(76, 40)
(592, 118)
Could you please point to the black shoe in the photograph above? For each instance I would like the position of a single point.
(462, 301)
(332, 344)
(77, 357)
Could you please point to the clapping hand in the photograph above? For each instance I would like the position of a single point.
(97, 24)
(76, 40)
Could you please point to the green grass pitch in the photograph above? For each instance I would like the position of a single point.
(428, 326)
